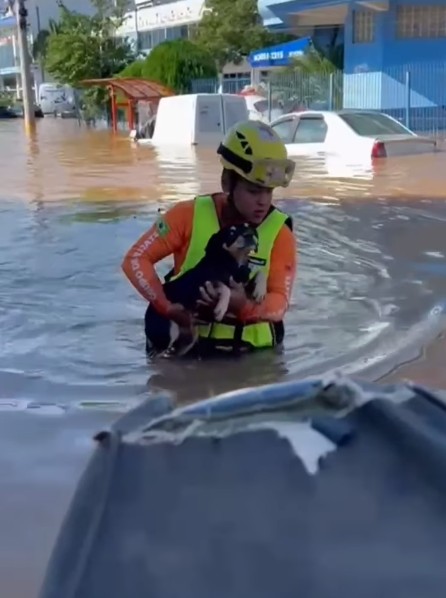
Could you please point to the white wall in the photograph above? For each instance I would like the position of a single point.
(182, 12)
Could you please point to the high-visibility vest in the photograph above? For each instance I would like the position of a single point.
(205, 224)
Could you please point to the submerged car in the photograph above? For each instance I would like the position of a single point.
(350, 133)
(6, 113)
(19, 110)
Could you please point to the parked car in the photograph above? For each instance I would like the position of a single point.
(6, 113)
(350, 133)
(18, 110)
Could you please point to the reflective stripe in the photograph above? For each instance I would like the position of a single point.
(205, 224)
(259, 335)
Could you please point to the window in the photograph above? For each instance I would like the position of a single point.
(177, 32)
(263, 105)
(310, 130)
(363, 30)
(7, 58)
(149, 39)
(285, 129)
(192, 29)
(370, 124)
(414, 21)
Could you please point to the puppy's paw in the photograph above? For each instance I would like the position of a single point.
(219, 312)
(174, 333)
(260, 285)
(222, 305)
(182, 341)
(186, 341)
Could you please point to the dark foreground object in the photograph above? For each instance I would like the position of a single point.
(198, 504)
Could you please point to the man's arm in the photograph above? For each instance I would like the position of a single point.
(168, 235)
(281, 277)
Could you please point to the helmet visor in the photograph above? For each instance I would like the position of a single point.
(272, 173)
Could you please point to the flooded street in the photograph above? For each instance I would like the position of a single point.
(370, 296)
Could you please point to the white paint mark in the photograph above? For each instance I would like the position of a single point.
(307, 444)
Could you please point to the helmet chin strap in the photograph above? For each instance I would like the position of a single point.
(231, 203)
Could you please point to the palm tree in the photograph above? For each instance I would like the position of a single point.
(40, 44)
(318, 61)
(311, 80)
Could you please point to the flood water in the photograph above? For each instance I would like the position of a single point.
(370, 297)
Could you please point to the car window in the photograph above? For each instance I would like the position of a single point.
(370, 124)
(311, 130)
(285, 129)
(262, 105)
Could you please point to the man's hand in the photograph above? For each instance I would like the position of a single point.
(238, 298)
(210, 296)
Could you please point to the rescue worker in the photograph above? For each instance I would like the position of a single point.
(254, 161)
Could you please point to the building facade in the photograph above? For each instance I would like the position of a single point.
(39, 14)
(8, 49)
(394, 50)
(152, 22)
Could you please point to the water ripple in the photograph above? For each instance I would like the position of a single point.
(69, 320)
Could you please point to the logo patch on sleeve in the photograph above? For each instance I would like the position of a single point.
(162, 227)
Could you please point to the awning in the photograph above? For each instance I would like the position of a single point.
(133, 89)
(280, 55)
(296, 13)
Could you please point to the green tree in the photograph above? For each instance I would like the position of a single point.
(133, 70)
(312, 77)
(271, 38)
(40, 44)
(86, 47)
(231, 29)
(6, 98)
(320, 60)
(177, 63)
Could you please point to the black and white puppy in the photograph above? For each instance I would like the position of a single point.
(226, 256)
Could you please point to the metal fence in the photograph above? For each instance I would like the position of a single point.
(415, 94)
(234, 85)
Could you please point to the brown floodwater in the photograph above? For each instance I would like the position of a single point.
(370, 297)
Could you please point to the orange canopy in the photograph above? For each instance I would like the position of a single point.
(135, 90)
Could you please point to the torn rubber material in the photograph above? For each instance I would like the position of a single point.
(321, 488)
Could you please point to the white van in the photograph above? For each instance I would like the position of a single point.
(55, 98)
(196, 119)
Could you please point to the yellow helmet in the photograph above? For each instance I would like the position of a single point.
(254, 151)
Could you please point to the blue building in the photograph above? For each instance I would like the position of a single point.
(39, 14)
(394, 50)
(8, 52)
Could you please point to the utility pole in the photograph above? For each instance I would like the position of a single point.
(25, 65)
(42, 70)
